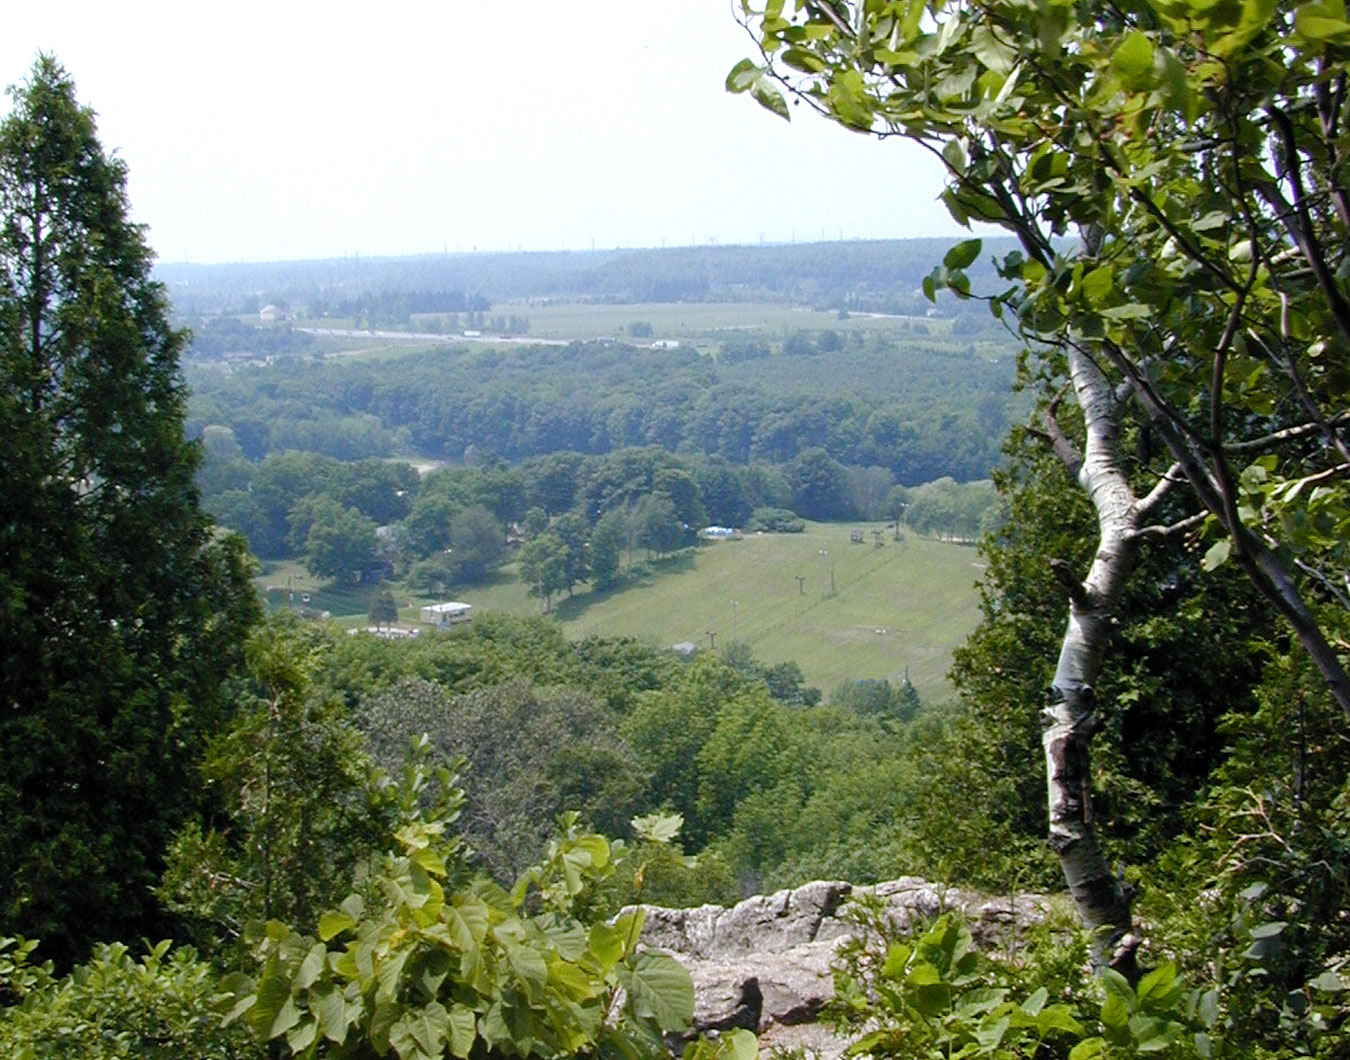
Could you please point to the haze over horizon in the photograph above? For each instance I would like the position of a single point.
(274, 134)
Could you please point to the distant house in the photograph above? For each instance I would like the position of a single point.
(715, 532)
(685, 647)
(270, 314)
(446, 614)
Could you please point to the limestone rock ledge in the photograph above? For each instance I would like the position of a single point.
(764, 964)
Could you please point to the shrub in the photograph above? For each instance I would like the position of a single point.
(164, 1006)
(775, 521)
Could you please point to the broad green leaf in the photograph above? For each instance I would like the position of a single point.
(767, 96)
(954, 154)
(1329, 981)
(423, 1030)
(334, 923)
(1097, 283)
(963, 254)
(743, 76)
(287, 1017)
(312, 967)
(1133, 60)
(658, 827)
(807, 62)
(659, 989)
(606, 944)
(1115, 1012)
(1057, 1018)
(1157, 982)
(739, 1045)
(1322, 22)
(332, 1015)
(1088, 1049)
(463, 1030)
(1216, 555)
(1033, 1005)
(301, 1037)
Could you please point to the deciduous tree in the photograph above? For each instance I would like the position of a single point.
(1197, 152)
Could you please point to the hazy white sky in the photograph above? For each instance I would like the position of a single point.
(300, 130)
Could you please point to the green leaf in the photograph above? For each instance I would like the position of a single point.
(1322, 22)
(1088, 1049)
(333, 923)
(954, 154)
(743, 76)
(1329, 981)
(963, 255)
(808, 62)
(287, 1017)
(332, 1015)
(424, 1031)
(1157, 982)
(1057, 1018)
(1097, 284)
(301, 1037)
(659, 988)
(658, 827)
(1133, 60)
(1115, 1013)
(463, 1030)
(1217, 554)
(312, 966)
(768, 97)
(739, 1045)
(606, 944)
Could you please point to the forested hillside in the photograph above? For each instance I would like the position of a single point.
(920, 410)
(369, 842)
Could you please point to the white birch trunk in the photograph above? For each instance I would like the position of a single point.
(1069, 718)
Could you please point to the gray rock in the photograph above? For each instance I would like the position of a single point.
(765, 963)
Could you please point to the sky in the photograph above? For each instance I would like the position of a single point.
(288, 130)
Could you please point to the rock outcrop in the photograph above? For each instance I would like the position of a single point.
(764, 964)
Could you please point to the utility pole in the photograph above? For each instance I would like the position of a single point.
(801, 584)
(712, 640)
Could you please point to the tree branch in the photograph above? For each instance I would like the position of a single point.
(1189, 523)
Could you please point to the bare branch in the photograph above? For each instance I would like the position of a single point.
(1181, 527)
(1289, 434)
(1157, 493)
(1064, 449)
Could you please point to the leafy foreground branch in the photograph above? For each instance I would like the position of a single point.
(934, 995)
(425, 960)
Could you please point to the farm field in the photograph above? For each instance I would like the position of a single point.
(706, 324)
(905, 604)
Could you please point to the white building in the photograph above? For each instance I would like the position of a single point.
(446, 614)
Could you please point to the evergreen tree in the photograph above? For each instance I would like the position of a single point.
(120, 610)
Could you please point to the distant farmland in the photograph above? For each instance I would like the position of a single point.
(903, 605)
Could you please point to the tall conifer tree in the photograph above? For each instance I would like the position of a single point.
(120, 610)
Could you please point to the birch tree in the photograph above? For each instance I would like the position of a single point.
(1174, 172)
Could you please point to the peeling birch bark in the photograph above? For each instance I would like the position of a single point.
(1069, 719)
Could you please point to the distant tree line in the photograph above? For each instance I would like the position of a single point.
(921, 413)
(580, 518)
(863, 275)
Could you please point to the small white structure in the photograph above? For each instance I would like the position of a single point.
(270, 314)
(714, 532)
(446, 614)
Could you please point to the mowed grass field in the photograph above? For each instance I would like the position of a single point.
(907, 604)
